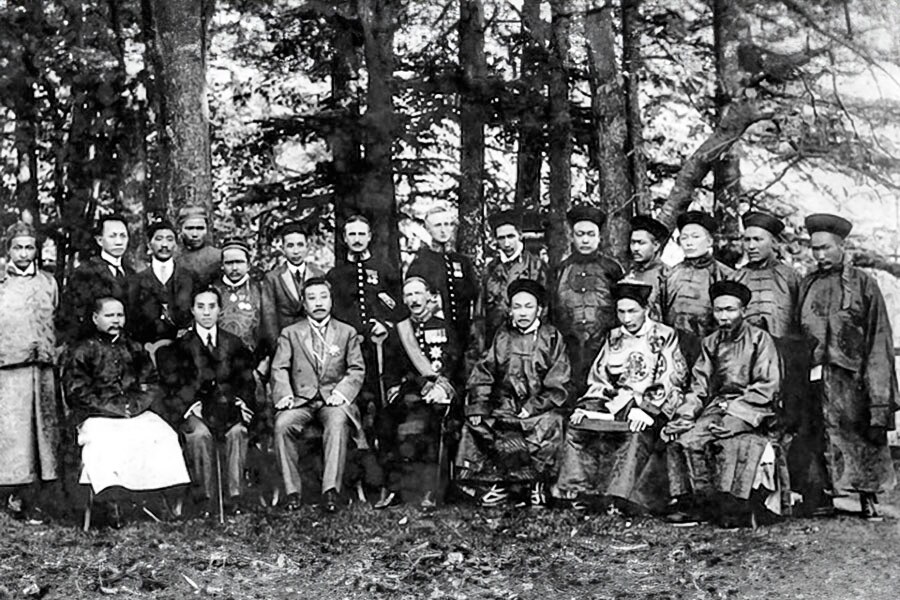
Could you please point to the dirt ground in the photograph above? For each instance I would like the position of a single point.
(458, 552)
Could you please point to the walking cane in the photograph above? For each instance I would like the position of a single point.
(442, 457)
(219, 485)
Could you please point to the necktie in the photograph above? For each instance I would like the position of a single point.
(209, 342)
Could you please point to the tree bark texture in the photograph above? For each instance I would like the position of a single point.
(610, 126)
(631, 68)
(529, 155)
(473, 69)
(379, 20)
(559, 151)
(27, 118)
(180, 39)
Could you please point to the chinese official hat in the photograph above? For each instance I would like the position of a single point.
(236, 244)
(697, 217)
(730, 288)
(655, 228)
(633, 290)
(529, 286)
(764, 221)
(839, 226)
(577, 214)
(505, 217)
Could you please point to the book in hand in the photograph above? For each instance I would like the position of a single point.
(595, 420)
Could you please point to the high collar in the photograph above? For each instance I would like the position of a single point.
(203, 333)
(514, 257)
(426, 316)
(441, 249)
(531, 328)
(109, 258)
(579, 258)
(700, 262)
(644, 329)
(766, 263)
(357, 257)
(296, 269)
(646, 266)
(732, 334)
(236, 284)
(30, 270)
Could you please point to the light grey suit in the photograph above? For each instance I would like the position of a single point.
(310, 378)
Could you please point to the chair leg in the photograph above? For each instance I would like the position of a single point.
(87, 511)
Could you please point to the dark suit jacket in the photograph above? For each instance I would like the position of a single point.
(295, 371)
(281, 302)
(146, 296)
(190, 373)
(89, 281)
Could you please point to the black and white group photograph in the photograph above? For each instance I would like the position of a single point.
(450, 299)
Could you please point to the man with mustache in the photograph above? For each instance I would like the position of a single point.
(636, 379)
(515, 403)
(111, 388)
(197, 254)
(852, 376)
(583, 307)
(159, 297)
(719, 437)
(422, 387)
(648, 238)
(317, 373)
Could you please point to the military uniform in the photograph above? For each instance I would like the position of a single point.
(453, 276)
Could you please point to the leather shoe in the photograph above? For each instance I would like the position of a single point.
(330, 501)
(428, 502)
(386, 499)
(292, 502)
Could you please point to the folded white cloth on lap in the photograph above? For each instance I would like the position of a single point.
(138, 453)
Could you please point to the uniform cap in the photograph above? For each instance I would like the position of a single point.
(20, 229)
(633, 290)
(655, 228)
(236, 244)
(527, 285)
(831, 223)
(697, 217)
(763, 220)
(159, 226)
(586, 213)
(730, 288)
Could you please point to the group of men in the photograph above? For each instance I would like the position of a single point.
(683, 390)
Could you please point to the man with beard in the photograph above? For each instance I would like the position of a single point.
(196, 253)
(317, 373)
(719, 450)
(852, 377)
(451, 273)
(208, 373)
(111, 389)
(512, 262)
(103, 275)
(636, 379)
(685, 301)
(159, 297)
(648, 238)
(583, 307)
(514, 409)
(421, 389)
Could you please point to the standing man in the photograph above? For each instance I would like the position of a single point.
(159, 297)
(583, 308)
(512, 262)
(719, 436)
(104, 275)
(451, 273)
(241, 312)
(282, 287)
(422, 385)
(30, 418)
(648, 238)
(317, 372)
(685, 298)
(208, 374)
(843, 315)
(197, 253)
(514, 410)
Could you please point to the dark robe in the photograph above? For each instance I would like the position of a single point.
(519, 371)
(652, 273)
(843, 315)
(205, 262)
(583, 308)
(736, 378)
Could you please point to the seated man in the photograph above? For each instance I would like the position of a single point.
(317, 372)
(424, 358)
(110, 385)
(516, 397)
(718, 447)
(208, 373)
(636, 379)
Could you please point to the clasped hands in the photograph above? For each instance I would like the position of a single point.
(333, 399)
(196, 410)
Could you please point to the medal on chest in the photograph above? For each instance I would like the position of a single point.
(371, 277)
(457, 270)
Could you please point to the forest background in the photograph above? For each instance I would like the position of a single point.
(268, 110)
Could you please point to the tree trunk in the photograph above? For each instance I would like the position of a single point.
(610, 127)
(560, 131)
(379, 19)
(631, 68)
(158, 153)
(344, 140)
(180, 27)
(727, 168)
(530, 128)
(26, 132)
(473, 70)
